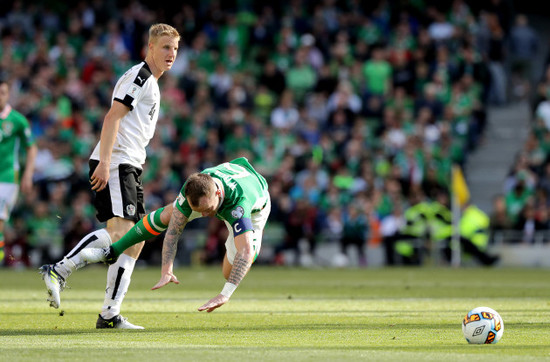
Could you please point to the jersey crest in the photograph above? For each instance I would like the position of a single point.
(238, 212)
(7, 128)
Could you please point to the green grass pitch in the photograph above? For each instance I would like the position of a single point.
(281, 314)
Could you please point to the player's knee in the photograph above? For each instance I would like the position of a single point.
(116, 234)
(118, 228)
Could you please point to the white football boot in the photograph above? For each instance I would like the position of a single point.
(54, 284)
(117, 321)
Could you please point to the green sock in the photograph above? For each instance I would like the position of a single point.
(146, 228)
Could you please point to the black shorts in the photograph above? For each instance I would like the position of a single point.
(123, 196)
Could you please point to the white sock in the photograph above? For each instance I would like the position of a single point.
(72, 261)
(118, 281)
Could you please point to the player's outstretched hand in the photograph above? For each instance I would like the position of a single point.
(165, 279)
(214, 303)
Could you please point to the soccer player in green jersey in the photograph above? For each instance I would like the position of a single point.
(15, 133)
(233, 192)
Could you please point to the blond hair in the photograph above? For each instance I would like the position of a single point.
(159, 30)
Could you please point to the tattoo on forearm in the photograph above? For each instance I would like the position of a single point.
(239, 270)
(175, 228)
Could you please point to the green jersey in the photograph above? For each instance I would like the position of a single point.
(15, 132)
(244, 193)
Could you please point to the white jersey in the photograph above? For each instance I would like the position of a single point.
(139, 91)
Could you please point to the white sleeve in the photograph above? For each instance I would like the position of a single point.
(128, 90)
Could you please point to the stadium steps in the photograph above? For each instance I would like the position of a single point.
(487, 167)
(506, 132)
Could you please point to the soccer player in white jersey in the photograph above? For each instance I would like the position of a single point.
(233, 192)
(115, 174)
(15, 133)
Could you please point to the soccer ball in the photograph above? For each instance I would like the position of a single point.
(482, 325)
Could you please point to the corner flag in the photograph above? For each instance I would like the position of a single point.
(459, 186)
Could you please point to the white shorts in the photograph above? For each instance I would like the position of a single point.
(259, 219)
(8, 197)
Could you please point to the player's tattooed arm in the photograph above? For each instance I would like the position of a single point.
(243, 259)
(173, 233)
(169, 248)
(241, 265)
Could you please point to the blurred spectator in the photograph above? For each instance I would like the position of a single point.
(471, 63)
(301, 224)
(541, 93)
(17, 245)
(516, 199)
(440, 29)
(441, 225)
(45, 238)
(523, 44)
(378, 73)
(409, 242)
(503, 10)
(542, 110)
(428, 99)
(390, 229)
(272, 77)
(527, 223)
(300, 77)
(344, 98)
(285, 115)
(354, 233)
(403, 75)
(493, 48)
(544, 180)
(474, 234)
(499, 220)
(314, 56)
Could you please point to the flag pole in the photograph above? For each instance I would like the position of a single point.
(455, 237)
(460, 195)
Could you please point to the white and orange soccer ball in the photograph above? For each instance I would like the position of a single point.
(482, 325)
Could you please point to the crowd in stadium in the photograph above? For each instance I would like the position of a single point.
(350, 109)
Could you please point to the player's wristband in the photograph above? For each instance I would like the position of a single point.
(228, 289)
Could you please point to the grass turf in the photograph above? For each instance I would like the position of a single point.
(282, 314)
